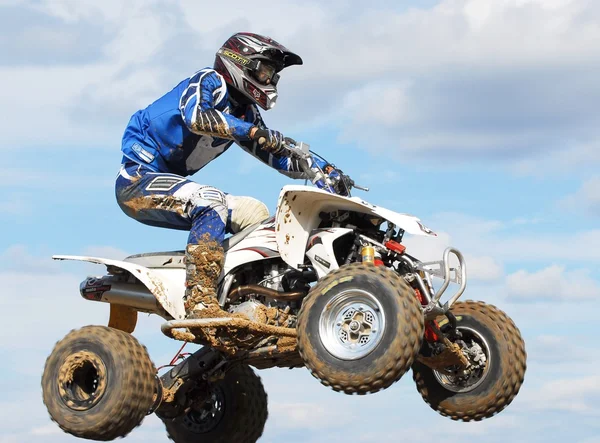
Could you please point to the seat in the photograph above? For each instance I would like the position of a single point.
(236, 238)
(168, 259)
(174, 259)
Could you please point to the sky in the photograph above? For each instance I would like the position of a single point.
(478, 116)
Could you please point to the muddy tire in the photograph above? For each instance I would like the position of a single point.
(491, 389)
(360, 328)
(235, 411)
(98, 383)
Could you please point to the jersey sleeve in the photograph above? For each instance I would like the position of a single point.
(286, 166)
(198, 108)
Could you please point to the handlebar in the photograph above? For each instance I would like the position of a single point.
(301, 152)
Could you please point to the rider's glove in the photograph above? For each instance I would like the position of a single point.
(335, 181)
(271, 141)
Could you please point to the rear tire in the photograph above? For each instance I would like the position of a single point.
(98, 383)
(491, 390)
(235, 411)
(360, 328)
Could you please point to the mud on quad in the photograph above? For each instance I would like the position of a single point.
(326, 284)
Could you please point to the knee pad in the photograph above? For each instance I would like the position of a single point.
(200, 197)
(245, 211)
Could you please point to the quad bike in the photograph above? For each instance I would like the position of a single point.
(326, 284)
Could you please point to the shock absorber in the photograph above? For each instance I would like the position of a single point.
(369, 255)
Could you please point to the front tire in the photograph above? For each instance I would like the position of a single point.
(488, 388)
(98, 383)
(235, 410)
(360, 328)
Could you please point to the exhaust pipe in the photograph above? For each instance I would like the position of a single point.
(108, 289)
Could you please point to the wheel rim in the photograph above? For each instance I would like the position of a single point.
(476, 349)
(82, 380)
(205, 415)
(352, 324)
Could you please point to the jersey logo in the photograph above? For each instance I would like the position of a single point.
(144, 154)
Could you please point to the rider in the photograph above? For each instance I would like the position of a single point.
(183, 131)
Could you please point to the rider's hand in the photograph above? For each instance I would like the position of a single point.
(270, 140)
(335, 181)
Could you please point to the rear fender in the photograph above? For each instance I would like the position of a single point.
(166, 285)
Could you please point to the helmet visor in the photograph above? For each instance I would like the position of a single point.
(265, 73)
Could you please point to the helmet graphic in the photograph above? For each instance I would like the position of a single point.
(250, 63)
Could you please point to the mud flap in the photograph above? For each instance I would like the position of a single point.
(123, 318)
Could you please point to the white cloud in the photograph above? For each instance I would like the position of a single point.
(573, 156)
(73, 10)
(483, 268)
(553, 282)
(555, 349)
(15, 204)
(572, 394)
(483, 78)
(50, 429)
(307, 415)
(586, 197)
(387, 105)
(472, 79)
(479, 237)
(480, 266)
(300, 408)
(43, 179)
(50, 301)
(19, 258)
(461, 79)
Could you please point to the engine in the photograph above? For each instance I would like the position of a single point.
(269, 293)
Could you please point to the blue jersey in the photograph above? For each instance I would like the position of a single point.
(193, 124)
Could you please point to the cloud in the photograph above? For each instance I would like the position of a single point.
(555, 349)
(553, 282)
(300, 408)
(19, 258)
(484, 268)
(573, 394)
(306, 415)
(43, 179)
(587, 197)
(463, 79)
(477, 236)
(50, 429)
(574, 156)
(79, 99)
(480, 265)
(15, 204)
(44, 304)
(458, 79)
(33, 37)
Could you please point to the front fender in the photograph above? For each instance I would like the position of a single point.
(168, 288)
(298, 212)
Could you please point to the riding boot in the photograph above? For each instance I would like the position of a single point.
(204, 262)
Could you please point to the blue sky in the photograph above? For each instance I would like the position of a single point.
(479, 116)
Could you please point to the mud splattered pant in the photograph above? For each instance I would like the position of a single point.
(172, 201)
